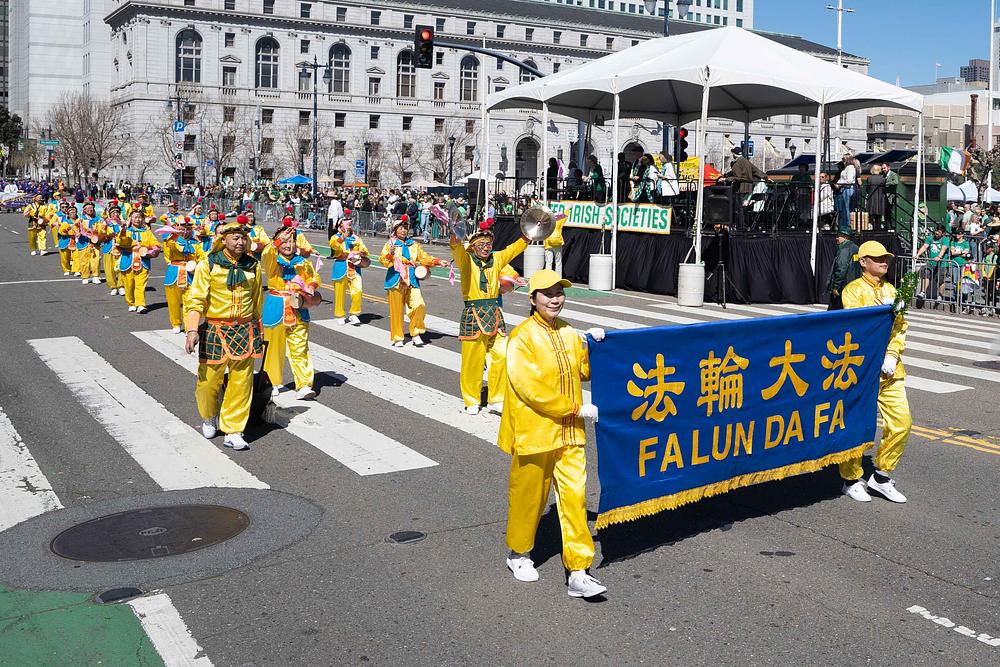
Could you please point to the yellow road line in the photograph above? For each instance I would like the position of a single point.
(952, 436)
(366, 296)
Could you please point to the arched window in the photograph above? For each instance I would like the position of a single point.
(525, 75)
(267, 63)
(188, 56)
(340, 64)
(406, 75)
(468, 90)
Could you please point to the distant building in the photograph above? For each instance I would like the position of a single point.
(4, 53)
(714, 12)
(976, 71)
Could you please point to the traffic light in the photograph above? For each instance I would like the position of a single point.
(423, 44)
(680, 145)
(253, 164)
(52, 160)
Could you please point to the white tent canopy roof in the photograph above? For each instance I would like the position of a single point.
(750, 76)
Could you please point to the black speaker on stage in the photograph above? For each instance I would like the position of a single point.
(719, 205)
(476, 188)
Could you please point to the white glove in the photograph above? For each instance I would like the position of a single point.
(889, 366)
(597, 333)
(589, 411)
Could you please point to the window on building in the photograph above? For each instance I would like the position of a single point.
(339, 148)
(268, 6)
(439, 124)
(439, 91)
(267, 63)
(189, 140)
(406, 150)
(438, 25)
(406, 74)
(341, 14)
(305, 10)
(189, 111)
(230, 5)
(188, 56)
(739, 23)
(230, 39)
(267, 116)
(229, 76)
(470, 27)
(556, 36)
(228, 114)
(470, 153)
(339, 175)
(555, 67)
(439, 58)
(529, 34)
(340, 66)
(340, 119)
(229, 144)
(469, 79)
(189, 3)
(376, 18)
(305, 80)
(305, 146)
(267, 145)
(303, 46)
(408, 21)
(470, 126)
(373, 120)
(526, 76)
(635, 42)
(304, 117)
(584, 39)
(805, 120)
(374, 53)
(609, 43)
(500, 30)
(407, 123)
(374, 86)
(438, 151)
(498, 87)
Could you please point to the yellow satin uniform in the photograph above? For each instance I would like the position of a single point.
(36, 236)
(135, 273)
(404, 294)
(351, 281)
(542, 430)
(893, 406)
(176, 254)
(211, 300)
(293, 330)
(87, 255)
(483, 344)
(65, 231)
(109, 251)
(52, 209)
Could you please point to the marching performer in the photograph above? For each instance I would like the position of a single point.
(37, 212)
(223, 322)
(407, 263)
(172, 217)
(871, 289)
(66, 234)
(201, 228)
(56, 206)
(108, 230)
(350, 255)
(482, 330)
(259, 239)
(144, 207)
(542, 429)
(182, 253)
(137, 246)
(292, 288)
(88, 257)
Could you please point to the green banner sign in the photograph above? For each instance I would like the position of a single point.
(49, 142)
(648, 218)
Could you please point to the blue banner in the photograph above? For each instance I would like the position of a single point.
(692, 411)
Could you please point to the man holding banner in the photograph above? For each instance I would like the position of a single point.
(871, 290)
(542, 429)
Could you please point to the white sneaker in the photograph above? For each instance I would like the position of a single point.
(887, 490)
(582, 585)
(472, 410)
(34, 252)
(131, 309)
(856, 491)
(522, 567)
(275, 391)
(397, 343)
(85, 281)
(113, 292)
(121, 291)
(65, 273)
(235, 441)
(76, 273)
(140, 310)
(44, 253)
(96, 281)
(176, 330)
(418, 341)
(355, 320)
(495, 408)
(209, 428)
(305, 394)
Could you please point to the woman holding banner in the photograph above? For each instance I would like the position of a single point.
(542, 429)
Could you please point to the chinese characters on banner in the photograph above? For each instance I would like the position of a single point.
(693, 411)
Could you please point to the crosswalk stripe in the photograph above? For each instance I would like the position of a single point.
(933, 386)
(952, 369)
(168, 632)
(946, 351)
(357, 446)
(717, 314)
(944, 342)
(953, 331)
(172, 453)
(653, 315)
(917, 315)
(24, 489)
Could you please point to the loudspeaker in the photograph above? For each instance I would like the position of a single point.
(718, 205)
(476, 189)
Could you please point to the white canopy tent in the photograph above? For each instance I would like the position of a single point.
(725, 73)
(967, 192)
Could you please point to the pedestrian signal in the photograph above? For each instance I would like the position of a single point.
(423, 44)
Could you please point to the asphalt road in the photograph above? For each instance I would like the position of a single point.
(788, 572)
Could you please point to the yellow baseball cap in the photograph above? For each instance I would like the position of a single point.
(873, 249)
(544, 279)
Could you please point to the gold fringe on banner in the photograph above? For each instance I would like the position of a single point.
(675, 500)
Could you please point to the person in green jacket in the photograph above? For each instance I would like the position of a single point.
(845, 268)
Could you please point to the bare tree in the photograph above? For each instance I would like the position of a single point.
(440, 159)
(405, 159)
(295, 144)
(225, 136)
(91, 132)
(376, 155)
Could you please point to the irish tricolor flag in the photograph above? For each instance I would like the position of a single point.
(954, 160)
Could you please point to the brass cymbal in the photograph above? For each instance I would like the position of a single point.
(538, 223)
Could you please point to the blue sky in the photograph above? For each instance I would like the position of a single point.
(901, 37)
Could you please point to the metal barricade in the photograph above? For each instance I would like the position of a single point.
(956, 285)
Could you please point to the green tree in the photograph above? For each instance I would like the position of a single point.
(10, 131)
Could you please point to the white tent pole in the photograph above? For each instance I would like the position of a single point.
(916, 186)
(816, 189)
(699, 211)
(545, 153)
(484, 165)
(989, 93)
(614, 207)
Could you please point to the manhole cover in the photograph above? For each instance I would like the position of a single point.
(150, 533)
(406, 537)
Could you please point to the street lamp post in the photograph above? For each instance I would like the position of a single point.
(682, 9)
(451, 161)
(178, 152)
(368, 145)
(327, 77)
(48, 160)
